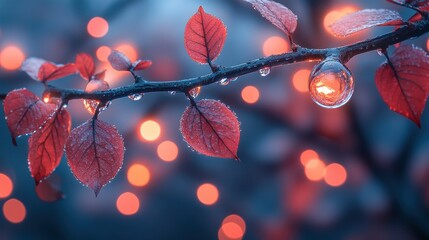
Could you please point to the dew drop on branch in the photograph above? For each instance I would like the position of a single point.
(264, 71)
(194, 92)
(136, 96)
(224, 81)
(331, 84)
(172, 92)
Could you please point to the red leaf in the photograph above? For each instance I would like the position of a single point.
(25, 112)
(205, 36)
(141, 64)
(31, 66)
(405, 87)
(49, 71)
(211, 129)
(85, 65)
(279, 15)
(364, 19)
(95, 152)
(47, 144)
(48, 192)
(119, 61)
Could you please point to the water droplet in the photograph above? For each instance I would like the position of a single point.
(380, 52)
(331, 84)
(224, 81)
(233, 79)
(95, 85)
(65, 105)
(172, 92)
(105, 106)
(264, 71)
(194, 92)
(90, 105)
(136, 96)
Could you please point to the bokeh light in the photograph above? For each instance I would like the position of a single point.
(6, 186)
(300, 80)
(427, 44)
(103, 53)
(128, 203)
(275, 45)
(250, 94)
(150, 130)
(233, 226)
(138, 175)
(129, 50)
(167, 151)
(97, 27)
(335, 175)
(315, 170)
(308, 155)
(208, 194)
(11, 58)
(334, 15)
(14, 210)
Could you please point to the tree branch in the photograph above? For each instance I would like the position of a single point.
(344, 53)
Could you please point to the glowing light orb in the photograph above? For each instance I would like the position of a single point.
(250, 94)
(11, 58)
(97, 27)
(315, 170)
(307, 156)
(167, 151)
(208, 194)
(6, 186)
(138, 175)
(103, 53)
(233, 227)
(335, 175)
(300, 80)
(275, 45)
(128, 203)
(150, 130)
(14, 210)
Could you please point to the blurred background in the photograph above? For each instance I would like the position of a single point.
(357, 172)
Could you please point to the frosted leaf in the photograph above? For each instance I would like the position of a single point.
(404, 88)
(211, 128)
(31, 66)
(95, 153)
(279, 15)
(364, 19)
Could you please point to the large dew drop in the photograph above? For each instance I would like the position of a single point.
(331, 84)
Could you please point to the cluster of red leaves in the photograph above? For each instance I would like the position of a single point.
(94, 150)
